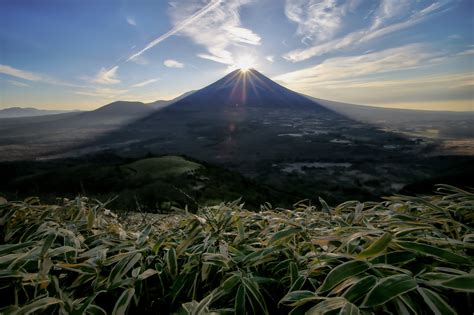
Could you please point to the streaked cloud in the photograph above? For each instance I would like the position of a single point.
(17, 83)
(389, 17)
(369, 79)
(102, 92)
(389, 60)
(21, 74)
(217, 29)
(107, 76)
(178, 26)
(317, 20)
(32, 76)
(170, 63)
(147, 82)
(270, 59)
(131, 21)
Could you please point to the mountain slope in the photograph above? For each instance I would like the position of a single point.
(163, 103)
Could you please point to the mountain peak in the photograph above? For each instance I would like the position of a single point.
(247, 87)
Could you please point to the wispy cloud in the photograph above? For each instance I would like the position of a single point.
(131, 21)
(389, 17)
(16, 83)
(217, 29)
(32, 76)
(147, 82)
(170, 63)
(317, 20)
(107, 76)
(270, 59)
(371, 79)
(21, 74)
(102, 92)
(342, 69)
(178, 26)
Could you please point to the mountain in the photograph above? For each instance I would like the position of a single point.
(115, 113)
(246, 88)
(14, 112)
(247, 123)
(163, 103)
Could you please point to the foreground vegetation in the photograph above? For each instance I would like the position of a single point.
(405, 255)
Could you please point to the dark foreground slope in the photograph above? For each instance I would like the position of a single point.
(405, 255)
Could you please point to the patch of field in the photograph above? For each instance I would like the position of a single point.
(162, 167)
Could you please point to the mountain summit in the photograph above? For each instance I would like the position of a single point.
(246, 88)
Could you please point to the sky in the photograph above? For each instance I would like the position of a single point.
(82, 54)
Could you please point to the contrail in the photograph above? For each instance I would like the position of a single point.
(208, 7)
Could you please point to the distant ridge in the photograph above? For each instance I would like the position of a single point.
(14, 112)
(163, 103)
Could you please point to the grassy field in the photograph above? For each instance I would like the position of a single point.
(406, 255)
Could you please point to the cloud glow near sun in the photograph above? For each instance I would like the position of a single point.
(245, 63)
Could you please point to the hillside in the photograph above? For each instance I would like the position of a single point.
(404, 255)
(153, 183)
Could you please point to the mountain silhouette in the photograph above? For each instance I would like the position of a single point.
(246, 88)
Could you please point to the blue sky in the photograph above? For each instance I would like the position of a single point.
(82, 54)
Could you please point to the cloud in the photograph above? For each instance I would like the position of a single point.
(107, 76)
(19, 84)
(131, 21)
(178, 26)
(144, 83)
(389, 17)
(32, 76)
(317, 20)
(341, 69)
(270, 59)
(218, 29)
(21, 74)
(102, 92)
(467, 52)
(170, 63)
(364, 79)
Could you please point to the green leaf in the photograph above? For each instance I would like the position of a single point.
(437, 305)
(253, 292)
(360, 288)
(239, 304)
(201, 308)
(123, 301)
(434, 251)
(342, 272)
(147, 273)
(376, 247)
(460, 283)
(172, 262)
(284, 234)
(328, 305)
(144, 235)
(85, 305)
(298, 298)
(47, 244)
(8, 248)
(389, 288)
(36, 305)
(349, 309)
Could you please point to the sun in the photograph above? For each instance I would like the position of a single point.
(245, 63)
